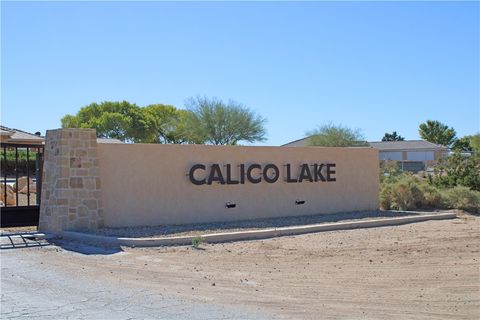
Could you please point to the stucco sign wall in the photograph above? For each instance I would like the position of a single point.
(173, 184)
(117, 185)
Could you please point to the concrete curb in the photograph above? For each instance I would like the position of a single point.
(250, 234)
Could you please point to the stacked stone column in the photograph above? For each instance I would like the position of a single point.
(71, 188)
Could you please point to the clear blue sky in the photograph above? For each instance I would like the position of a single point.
(375, 66)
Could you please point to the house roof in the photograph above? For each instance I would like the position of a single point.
(296, 143)
(109, 140)
(406, 145)
(384, 145)
(303, 143)
(10, 135)
(19, 136)
(5, 133)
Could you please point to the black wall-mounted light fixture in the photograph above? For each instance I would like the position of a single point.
(230, 205)
(299, 202)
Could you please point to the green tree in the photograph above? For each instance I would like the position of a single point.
(216, 122)
(392, 137)
(168, 124)
(329, 135)
(70, 121)
(463, 144)
(119, 120)
(468, 144)
(475, 144)
(437, 132)
(183, 131)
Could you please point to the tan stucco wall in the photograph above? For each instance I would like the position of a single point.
(146, 184)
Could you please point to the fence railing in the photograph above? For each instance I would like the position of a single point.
(21, 174)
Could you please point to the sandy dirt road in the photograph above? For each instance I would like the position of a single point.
(427, 270)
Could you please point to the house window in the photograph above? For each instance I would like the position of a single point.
(420, 155)
(390, 155)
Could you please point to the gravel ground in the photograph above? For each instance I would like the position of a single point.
(34, 288)
(215, 227)
(426, 270)
(14, 230)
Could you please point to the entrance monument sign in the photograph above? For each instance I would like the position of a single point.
(89, 185)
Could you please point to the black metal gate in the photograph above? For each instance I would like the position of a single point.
(21, 183)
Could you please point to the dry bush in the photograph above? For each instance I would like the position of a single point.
(386, 196)
(462, 198)
(432, 196)
(407, 194)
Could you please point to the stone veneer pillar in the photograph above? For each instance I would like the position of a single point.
(71, 192)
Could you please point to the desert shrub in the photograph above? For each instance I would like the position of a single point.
(403, 192)
(196, 242)
(406, 194)
(462, 198)
(457, 170)
(432, 196)
(386, 192)
(390, 172)
(22, 168)
(7, 160)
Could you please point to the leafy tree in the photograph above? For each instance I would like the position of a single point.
(70, 121)
(112, 125)
(216, 122)
(329, 135)
(475, 144)
(168, 124)
(468, 144)
(120, 120)
(183, 131)
(392, 137)
(463, 144)
(437, 132)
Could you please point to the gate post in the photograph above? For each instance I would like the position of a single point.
(71, 196)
